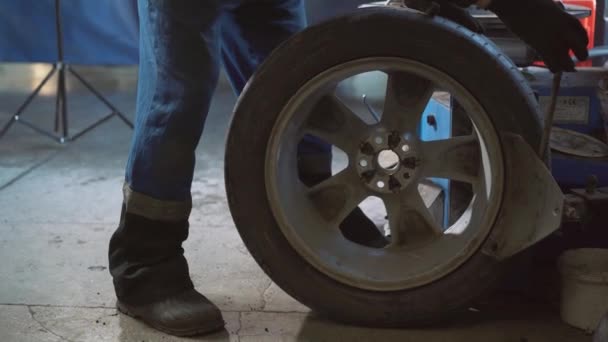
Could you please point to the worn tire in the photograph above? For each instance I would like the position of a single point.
(467, 57)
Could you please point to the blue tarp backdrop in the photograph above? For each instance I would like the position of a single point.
(95, 32)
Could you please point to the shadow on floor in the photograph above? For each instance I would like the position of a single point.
(508, 317)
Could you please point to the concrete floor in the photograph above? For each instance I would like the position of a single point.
(60, 204)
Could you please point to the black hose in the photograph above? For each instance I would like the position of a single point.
(549, 115)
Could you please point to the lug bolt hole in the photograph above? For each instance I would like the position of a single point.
(406, 175)
(367, 149)
(380, 184)
(363, 163)
(405, 148)
(378, 140)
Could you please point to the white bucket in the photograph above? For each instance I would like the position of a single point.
(584, 287)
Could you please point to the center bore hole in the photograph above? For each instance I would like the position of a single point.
(388, 160)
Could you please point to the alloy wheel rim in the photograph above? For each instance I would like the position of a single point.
(421, 250)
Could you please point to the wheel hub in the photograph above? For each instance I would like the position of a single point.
(387, 162)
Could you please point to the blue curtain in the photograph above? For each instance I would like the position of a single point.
(95, 32)
(102, 32)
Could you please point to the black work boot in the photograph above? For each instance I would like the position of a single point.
(150, 272)
(186, 314)
(356, 227)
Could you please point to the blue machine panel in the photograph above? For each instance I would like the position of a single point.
(436, 124)
(579, 109)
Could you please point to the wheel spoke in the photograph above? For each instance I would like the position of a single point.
(332, 121)
(482, 191)
(457, 158)
(406, 99)
(409, 219)
(338, 196)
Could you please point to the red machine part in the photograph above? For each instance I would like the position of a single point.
(588, 23)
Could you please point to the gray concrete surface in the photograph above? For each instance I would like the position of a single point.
(60, 204)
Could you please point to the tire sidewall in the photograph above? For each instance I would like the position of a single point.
(468, 58)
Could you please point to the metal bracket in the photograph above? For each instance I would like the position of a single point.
(389, 3)
(532, 204)
(427, 7)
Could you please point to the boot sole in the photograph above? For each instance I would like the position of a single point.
(216, 326)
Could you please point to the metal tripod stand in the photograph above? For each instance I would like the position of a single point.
(61, 129)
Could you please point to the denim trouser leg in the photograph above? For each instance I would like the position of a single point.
(182, 44)
(179, 68)
(251, 31)
(247, 41)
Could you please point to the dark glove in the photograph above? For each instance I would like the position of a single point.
(547, 28)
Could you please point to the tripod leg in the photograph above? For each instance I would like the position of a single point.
(7, 126)
(64, 103)
(125, 120)
(101, 97)
(61, 118)
(27, 102)
(58, 103)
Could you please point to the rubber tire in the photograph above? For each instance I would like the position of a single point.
(469, 58)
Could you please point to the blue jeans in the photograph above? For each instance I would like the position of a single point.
(183, 44)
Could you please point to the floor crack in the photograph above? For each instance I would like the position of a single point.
(53, 306)
(33, 315)
(286, 312)
(264, 293)
(238, 330)
(59, 306)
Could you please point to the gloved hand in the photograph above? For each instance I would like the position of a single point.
(547, 28)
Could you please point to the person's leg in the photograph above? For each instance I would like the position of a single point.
(252, 30)
(250, 33)
(179, 54)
